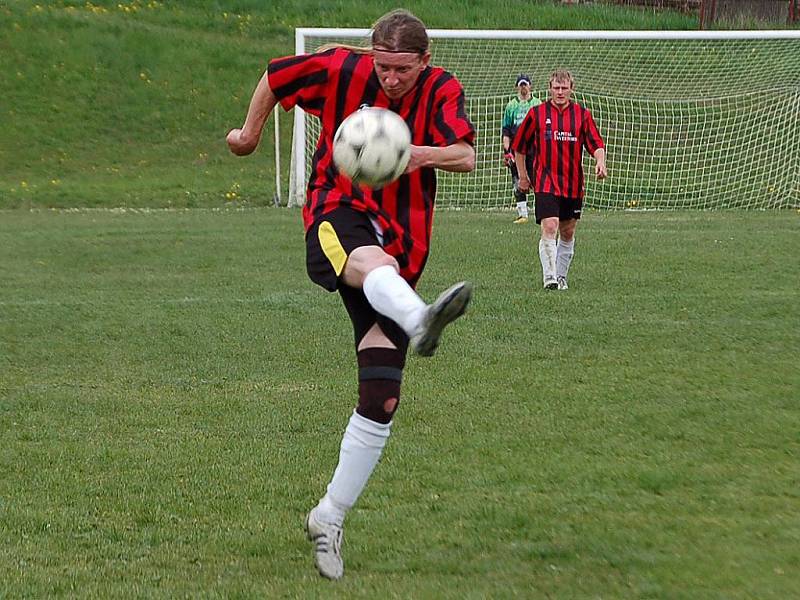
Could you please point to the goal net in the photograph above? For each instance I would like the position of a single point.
(700, 120)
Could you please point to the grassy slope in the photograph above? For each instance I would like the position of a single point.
(127, 104)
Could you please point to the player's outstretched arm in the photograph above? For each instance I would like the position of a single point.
(458, 157)
(243, 141)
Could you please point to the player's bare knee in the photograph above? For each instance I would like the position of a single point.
(367, 258)
(362, 261)
(566, 231)
(390, 406)
(386, 260)
(380, 373)
(549, 233)
(549, 228)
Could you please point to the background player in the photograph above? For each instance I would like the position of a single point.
(556, 132)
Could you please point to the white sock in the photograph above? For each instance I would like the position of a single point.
(547, 256)
(522, 208)
(566, 250)
(390, 295)
(362, 445)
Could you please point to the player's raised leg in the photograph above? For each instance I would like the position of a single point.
(450, 305)
(393, 297)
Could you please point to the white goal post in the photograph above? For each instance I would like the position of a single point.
(692, 119)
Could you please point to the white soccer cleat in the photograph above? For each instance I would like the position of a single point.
(562, 282)
(550, 283)
(327, 539)
(450, 305)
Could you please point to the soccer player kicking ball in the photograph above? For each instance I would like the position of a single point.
(556, 132)
(371, 245)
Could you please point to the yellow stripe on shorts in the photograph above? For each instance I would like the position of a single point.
(332, 247)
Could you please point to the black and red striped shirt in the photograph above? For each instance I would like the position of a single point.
(333, 84)
(556, 139)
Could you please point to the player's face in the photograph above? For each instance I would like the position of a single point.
(524, 90)
(398, 71)
(560, 92)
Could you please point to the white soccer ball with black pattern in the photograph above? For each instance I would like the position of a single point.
(372, 146)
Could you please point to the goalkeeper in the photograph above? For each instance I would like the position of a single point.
(515, 111)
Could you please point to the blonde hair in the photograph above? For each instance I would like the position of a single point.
(562, 75)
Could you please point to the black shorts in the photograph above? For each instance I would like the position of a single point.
(550, 205)
(329, 241)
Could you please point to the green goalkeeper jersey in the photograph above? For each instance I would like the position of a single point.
(515, 111)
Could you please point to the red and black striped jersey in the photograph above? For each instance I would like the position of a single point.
(556, 139)
(334, 83)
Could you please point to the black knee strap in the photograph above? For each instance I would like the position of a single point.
(370, 373)
(380, 372)
(377, 361)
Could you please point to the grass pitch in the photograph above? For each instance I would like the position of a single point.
(173, 391)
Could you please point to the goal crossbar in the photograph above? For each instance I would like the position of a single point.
(574, 34)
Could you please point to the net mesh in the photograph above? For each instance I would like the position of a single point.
(688, 123)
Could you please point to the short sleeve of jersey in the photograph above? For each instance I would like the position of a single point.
(525, 139)
(451, 123)
(301, 80)
(592, 139)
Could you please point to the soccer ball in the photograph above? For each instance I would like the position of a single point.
(372, 146)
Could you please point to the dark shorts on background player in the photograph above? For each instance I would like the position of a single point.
(550, 205)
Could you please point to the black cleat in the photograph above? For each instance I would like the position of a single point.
(450, 305)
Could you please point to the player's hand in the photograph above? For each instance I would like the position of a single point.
(417, 158)
(239, 144)
(508, 159)
(600, 170)
(524, 184)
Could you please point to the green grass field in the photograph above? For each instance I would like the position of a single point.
(173, 391)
